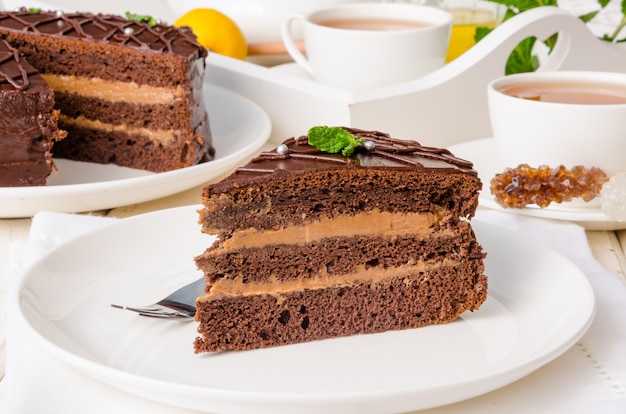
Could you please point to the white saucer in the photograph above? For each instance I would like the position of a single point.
(483, 154)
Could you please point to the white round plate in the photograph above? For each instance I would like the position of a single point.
(539, 305)
(483, 154)
(239, 128)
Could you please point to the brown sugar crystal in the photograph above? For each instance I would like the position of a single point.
(524, 185)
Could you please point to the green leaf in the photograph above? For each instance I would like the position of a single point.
(333, 140)
(141, 18)
(481, 32)
(519, 6)
(587, 17)
(551, 41)
(522, 58)
(35, 10)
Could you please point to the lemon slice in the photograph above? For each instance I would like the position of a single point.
(215, 31)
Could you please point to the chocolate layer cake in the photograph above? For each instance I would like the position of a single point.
(28, 122)
(314, 245)
(129, 92)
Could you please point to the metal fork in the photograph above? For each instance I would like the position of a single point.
(180, 304)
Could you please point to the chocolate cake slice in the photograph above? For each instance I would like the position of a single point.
(129, 92)
(28, 122)
(314, 245)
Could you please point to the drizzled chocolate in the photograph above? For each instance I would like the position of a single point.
(101, 28)
(27, 122)
(14, 72)
(386, 152)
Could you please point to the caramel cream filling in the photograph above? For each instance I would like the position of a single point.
(161, 136)
(272, 286)
(115, 91)
(374, 223)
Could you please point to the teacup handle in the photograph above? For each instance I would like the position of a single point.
(290, 43)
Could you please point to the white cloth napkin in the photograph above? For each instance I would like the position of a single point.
(590, 377)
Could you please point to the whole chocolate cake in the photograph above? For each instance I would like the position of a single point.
(129, 92)
(28, 122)
(314, 245)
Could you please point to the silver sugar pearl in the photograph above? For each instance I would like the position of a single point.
(282, 149)
(128, 31)
(369, 146)
(58, 13)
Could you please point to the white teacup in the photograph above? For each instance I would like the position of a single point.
(571, 131)
(368, 45)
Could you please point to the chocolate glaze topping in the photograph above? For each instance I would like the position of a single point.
(388, 153)
(26, 129)
(111, 29)
(13, 73)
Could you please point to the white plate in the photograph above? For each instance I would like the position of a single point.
(239, 128)
(539, 305)
(483, 154)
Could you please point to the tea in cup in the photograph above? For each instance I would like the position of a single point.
(368, 45)
(560, 118)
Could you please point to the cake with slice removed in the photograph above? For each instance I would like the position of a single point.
(129, 92)
(313, 245)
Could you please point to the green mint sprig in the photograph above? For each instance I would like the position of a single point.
(141, 18)
(333, 140)
(35, 10)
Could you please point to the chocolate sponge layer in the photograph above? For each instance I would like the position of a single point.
(294, 199)
(337, 255)
(409, 301)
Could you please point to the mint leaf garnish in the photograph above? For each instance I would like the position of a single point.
(35, 10)
(141, 18)
(333, 140)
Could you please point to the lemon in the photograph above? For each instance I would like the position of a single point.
(215, 31)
